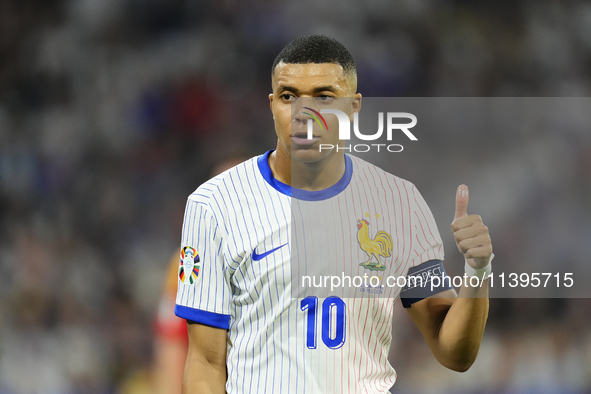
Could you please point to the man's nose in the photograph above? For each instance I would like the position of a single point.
(300, 109)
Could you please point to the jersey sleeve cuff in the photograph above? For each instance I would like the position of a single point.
(212, 319)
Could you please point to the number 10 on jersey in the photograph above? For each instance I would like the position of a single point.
(334, 317)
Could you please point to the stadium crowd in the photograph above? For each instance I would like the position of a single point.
(113, 112)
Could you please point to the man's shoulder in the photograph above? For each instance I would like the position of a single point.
(370, 172)
(221, 186)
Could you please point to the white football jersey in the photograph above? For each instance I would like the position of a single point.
(248, 240)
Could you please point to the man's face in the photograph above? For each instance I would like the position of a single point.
(316, 86)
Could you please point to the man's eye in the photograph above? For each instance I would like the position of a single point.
(287, 97)
(324, 98)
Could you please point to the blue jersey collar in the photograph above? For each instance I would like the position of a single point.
(263, 162)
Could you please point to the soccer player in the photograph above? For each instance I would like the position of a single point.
(247, 334)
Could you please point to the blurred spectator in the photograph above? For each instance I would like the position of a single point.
(171, 338)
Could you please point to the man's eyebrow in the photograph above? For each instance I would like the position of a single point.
(324, 89)
(319, 89)
(288, 88)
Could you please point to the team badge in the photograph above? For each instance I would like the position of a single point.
(190, 265)
(379, 246)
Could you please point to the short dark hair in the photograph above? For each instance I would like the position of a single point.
(316, 48)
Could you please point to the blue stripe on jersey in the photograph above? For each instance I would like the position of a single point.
(263, 162)
(203, 317)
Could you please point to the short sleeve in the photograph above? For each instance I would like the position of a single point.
(428, 256)
(203, 294)
(427, 244)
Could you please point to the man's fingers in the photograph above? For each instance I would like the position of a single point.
(466, 221)
(461, 202)
(474, 242)
(479, 252)
(470, 234)
(468, 231)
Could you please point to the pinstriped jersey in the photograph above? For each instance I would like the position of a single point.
(246, 240)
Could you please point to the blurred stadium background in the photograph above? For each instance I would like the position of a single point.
(113, 111)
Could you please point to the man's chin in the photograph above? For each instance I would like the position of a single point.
(309, 154)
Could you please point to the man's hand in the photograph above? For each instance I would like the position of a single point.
(470, 233)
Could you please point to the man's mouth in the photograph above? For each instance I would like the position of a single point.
(302, 139)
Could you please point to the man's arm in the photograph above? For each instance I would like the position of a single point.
(205, 368)
(453, 327)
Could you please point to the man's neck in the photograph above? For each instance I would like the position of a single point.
(314, 176)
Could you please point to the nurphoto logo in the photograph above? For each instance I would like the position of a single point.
(345, 129)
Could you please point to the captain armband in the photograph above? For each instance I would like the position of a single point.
(423, 281)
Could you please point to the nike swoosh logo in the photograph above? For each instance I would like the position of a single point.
(257, 257)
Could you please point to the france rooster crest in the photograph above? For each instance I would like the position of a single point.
(376, 248)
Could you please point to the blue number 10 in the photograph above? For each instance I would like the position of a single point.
(333, 321)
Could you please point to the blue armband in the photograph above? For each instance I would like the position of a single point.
(420, 282)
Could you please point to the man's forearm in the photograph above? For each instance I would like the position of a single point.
(202, 377)
(462, 328)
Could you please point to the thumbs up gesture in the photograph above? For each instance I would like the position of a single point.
(470, 233)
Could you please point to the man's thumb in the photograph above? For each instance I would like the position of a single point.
(461, 202)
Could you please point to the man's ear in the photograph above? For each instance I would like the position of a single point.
(271, 103)
(355, 105)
